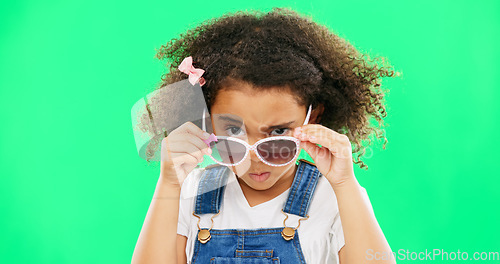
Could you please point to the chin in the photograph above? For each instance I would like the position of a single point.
(261, 188)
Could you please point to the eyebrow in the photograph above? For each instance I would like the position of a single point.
(286, 124)
(227, 118)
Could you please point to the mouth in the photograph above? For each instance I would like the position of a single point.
(260, 177)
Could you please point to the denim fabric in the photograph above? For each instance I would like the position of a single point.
(304, 184)
(211, 190)
(253, 246)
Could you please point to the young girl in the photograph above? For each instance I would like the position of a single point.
(288, 83)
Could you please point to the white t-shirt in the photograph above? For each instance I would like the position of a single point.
(321, 236)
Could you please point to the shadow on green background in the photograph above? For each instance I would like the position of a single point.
(74, 190)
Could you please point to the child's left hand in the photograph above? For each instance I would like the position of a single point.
(334, 158)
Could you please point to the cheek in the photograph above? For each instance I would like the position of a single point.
(277, 172)
(242, 168)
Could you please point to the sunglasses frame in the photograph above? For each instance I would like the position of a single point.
(253, 147)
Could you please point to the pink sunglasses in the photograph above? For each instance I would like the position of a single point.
(273, 151)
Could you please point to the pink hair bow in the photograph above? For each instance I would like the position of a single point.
(194, 73)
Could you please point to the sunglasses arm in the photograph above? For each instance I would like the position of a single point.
(308, 115)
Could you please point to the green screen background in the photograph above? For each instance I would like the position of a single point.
(74, 190)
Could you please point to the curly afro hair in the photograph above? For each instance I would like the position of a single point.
(282, 48)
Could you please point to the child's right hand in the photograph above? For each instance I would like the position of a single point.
(181, 151)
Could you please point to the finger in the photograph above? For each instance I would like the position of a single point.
(191, 139)
(337, 143)
(302, 131)
(183, 166)
(339, 147)
(193, 129)
(178, 166)
(188, 165)
(302, 134)
(316, 152)
(319, 131)
(179, 148)
(185, 160)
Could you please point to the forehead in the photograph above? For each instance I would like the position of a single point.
(257, 108)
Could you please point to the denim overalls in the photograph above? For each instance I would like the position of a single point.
(256, 246)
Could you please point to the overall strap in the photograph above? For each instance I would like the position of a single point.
(302, 190)
(211, 189)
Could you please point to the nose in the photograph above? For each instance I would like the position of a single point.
(253, 155)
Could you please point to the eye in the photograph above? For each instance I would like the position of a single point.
(234, 131)
(281, 131)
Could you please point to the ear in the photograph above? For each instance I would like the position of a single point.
(316, 114)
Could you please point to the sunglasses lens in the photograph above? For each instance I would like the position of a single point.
(227, 151)
(277, 151)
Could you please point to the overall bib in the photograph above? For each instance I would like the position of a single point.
(252, 246)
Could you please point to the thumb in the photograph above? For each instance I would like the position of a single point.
(316, 152)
